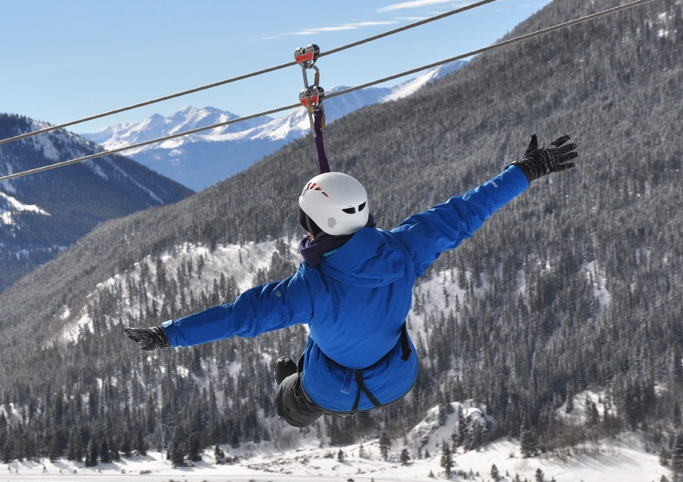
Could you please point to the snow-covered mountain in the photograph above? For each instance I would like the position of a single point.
(43, 214)
(292, 454)
(200, 160)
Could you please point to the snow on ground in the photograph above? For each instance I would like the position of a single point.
(617, 462)
(9, 206)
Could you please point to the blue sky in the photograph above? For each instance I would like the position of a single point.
(68, 59)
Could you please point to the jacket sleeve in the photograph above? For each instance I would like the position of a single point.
(443, 227)
(268, 307)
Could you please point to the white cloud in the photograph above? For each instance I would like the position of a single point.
(337, 28)
(413, 4)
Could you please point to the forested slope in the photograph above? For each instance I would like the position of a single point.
(574, 285)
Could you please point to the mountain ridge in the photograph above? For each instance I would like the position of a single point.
(202, 159)
(572, 287)
(45, 213)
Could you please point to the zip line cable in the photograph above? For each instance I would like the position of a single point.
(406, 27)
(502, 43)
(146, 143)
(146, 103)
(244, 76)
(352, 89)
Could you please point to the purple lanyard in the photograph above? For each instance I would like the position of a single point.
(319, 117)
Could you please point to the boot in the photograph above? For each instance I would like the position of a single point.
(284, 368)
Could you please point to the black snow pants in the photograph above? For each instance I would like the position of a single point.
(293, 404)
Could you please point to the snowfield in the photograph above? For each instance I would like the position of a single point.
(617, 462)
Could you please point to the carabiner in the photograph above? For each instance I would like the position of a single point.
(311, 96)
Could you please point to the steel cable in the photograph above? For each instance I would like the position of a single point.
(244, 76)
(336, 94)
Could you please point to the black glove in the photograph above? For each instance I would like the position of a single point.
(152, 338)
(554, 157)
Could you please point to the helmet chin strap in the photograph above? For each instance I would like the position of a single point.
(310, 228)
(309, 225)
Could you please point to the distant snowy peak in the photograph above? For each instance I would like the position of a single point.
(203, 158)
(157, 126)
(284, 128)
(410, 87)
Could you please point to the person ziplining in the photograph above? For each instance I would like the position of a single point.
(354, 286)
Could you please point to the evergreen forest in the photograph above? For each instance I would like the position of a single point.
(574, 286)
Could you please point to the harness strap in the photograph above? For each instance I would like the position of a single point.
(363, 388)
(358, 373)
(405, 344)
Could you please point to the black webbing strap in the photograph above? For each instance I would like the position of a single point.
(363, 388)
(405, 344)
(358, 373)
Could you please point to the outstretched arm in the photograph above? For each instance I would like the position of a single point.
(268, 307)
(445, 226)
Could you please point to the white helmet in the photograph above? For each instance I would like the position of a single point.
(335, 202)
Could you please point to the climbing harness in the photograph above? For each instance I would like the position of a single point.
(351, 374)
(311, 96)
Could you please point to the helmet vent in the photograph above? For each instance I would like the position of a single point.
(352, 210)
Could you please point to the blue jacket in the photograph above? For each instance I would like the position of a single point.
(356, 300)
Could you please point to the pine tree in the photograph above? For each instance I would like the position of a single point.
(194, 453)
(459, 433)
(405, 457)
(528, 442)
(570, 398)
(447, 460)
(218, 455)
(126, 444)
(74, 447)
(384, 445)
(7, 452)
(139, 443)
(91, 453)
(476, 438)
(441, 417)
(105, 452)
(176, 452)
(591, 413)
(677, 458)
(495, 474)
(54, 450)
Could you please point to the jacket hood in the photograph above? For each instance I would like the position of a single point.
(370, 259)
